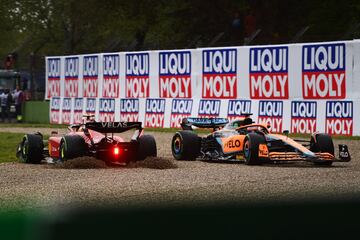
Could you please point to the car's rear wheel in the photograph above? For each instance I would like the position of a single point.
(72, 146)
(31, 148)
(147, 147)
(251, 149)
(185, 145)
(322, 143)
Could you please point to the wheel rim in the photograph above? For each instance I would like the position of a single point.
(62, 152)
(177, 145)
(25, 149)
(247, 150)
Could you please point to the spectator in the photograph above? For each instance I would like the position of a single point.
(237, 28)
(18, 99)
(250, 23)
(6, 101)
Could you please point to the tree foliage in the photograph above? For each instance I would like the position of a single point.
(58, 27)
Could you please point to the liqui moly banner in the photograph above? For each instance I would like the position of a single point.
(111, 76)
(238, 108)
(209, 108)
(298, 87)
(90, 76)
(154, 112)
(129, 110)
(78, 110)
(339, 118)
(323, 71)
(180, 108)
(53, 77)
(106, 110)
(55, 105)
(268, 72)
(271, 113)
(66, 111)
(219, 78)
(137, 82)
(303, 116)
(175, 74)
(71, 76)
(90, 106)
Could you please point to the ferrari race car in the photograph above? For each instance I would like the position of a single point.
(92, 138)
(242, 139)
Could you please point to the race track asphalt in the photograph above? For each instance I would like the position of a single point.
(165, 182)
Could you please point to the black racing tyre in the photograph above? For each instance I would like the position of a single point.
(72, 146)
(185, 145)
(31, 148)
(251, 148)
(322, 143)
(147, 147)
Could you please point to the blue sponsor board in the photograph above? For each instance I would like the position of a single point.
(155, 105)
(106, 105)
(111, 65)
(129, 105)
(209, 107)
(55, 104)
(53, 65)
(137, 64)
(90, 105)
(71, 67)
(239, 107)
(175, 63)
(269, 60)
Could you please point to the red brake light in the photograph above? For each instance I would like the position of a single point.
(116, 151)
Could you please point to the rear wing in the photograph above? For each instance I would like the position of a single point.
(213, 123)
(113, 127)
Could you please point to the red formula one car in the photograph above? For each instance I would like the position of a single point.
(94, 139)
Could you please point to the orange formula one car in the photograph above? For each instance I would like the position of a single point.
(91, 138)
(242, 139)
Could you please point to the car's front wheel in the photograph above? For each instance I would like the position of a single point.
(322, 143)
(30, 150)
(251, 148)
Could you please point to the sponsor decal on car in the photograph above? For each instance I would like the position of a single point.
(129, 110)
(339, 118)
(209, 108)
(66, 110)
(323, 71)
(106, 110)
(154, 112)
(175, 74)
(53, 77)
(303, 116)
(90, 76)
(111, 73)
(219, 73)
(269, 73)
(237, 108)
(271, 113)
(71, 76)
(180, 108)
(137, 83)
(78, 110)
(55, 110)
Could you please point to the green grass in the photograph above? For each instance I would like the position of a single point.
(8, 144)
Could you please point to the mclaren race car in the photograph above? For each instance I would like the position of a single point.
(242, 139)
(91, 138)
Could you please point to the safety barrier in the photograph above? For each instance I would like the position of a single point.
(300, 87)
